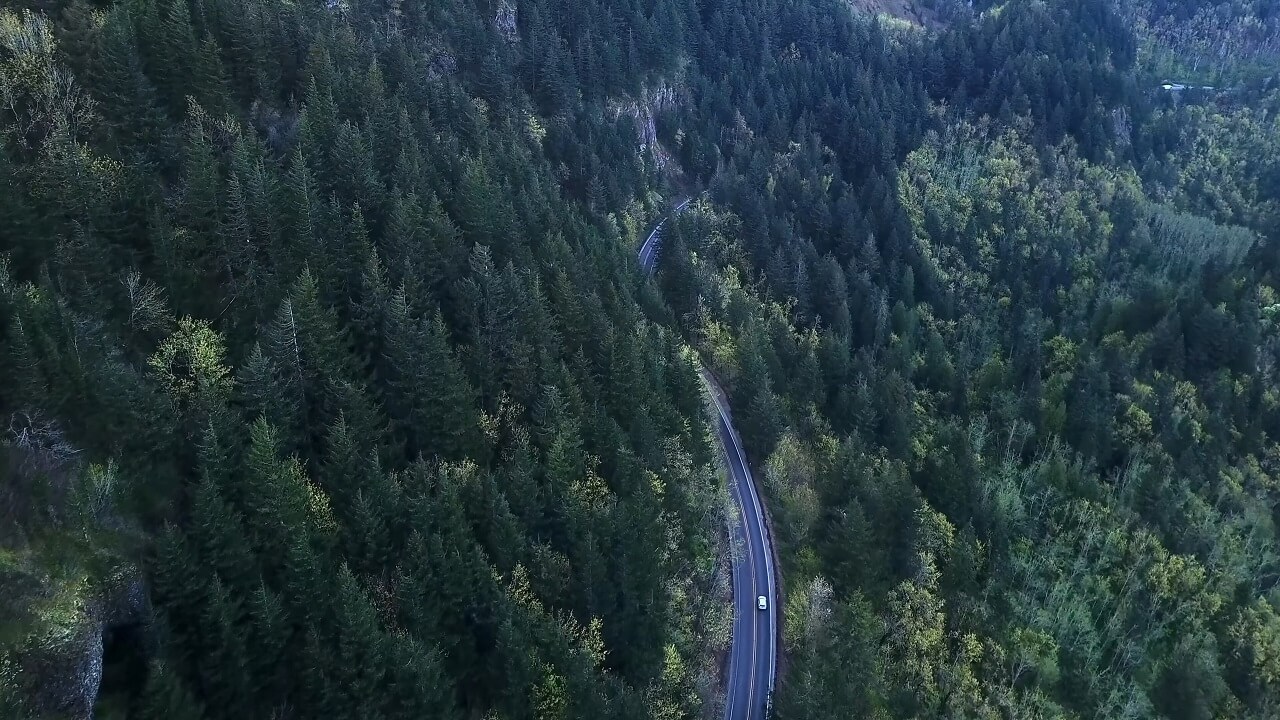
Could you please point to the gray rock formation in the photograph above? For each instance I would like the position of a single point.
(504, 21)
(69, 669)
(644, 111)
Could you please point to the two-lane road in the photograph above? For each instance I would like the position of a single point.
(753, 663)
(753, 657)
(649, 250)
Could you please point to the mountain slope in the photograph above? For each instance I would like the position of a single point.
(318, 325)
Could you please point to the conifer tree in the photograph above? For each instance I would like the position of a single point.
(418, 686)
(224, 662)
(128, 98)
(180, 585)
(354, 178)
(172, 44)
(269, 639)
(220, 539)
(299, 213)
(266, 395)
(358, 665)
(428, 393)
(24, 367)
(275, 496)
(166, 697)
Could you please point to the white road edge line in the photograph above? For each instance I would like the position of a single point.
(736, 572)
(768, 561)
(646, 252)
(647, 248)
(751, 577)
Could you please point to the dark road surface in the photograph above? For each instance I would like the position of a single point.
(649, 250)
(753, 656)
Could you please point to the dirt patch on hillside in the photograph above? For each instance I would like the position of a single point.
(913, 11)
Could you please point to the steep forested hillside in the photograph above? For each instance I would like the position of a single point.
(1219, 41)
(320, 338)
(330, 388)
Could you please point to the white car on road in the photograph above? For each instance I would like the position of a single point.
(762, 603)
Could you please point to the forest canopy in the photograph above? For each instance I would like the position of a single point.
(331, 388)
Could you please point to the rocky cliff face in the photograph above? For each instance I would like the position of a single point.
(68, 669)
(644, 111)
(504, 21)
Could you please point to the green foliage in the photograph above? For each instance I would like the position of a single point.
(1006, 380)
(324, 315)
(277, 306)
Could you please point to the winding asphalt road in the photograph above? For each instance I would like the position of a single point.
(753, 657)
(649, 250)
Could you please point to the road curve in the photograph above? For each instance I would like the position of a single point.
(648, 255)
(753, 659)
(753, 656)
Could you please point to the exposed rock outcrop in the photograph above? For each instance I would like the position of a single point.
(69, 669)
(644, 111)
(441, 64)
(504, 21)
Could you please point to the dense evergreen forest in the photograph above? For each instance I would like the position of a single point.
(331, 388)
(309, 324)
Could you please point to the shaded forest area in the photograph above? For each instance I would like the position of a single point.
(320, 318)
(324, 343)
